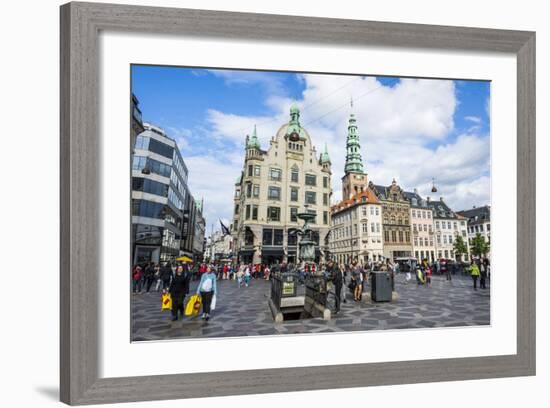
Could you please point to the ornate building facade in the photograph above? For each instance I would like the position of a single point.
(275, 185)
(395, 220)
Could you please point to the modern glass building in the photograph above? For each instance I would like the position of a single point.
(159, 194)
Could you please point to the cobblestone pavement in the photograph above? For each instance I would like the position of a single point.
(245, 312)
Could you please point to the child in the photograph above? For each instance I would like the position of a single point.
(429, 277)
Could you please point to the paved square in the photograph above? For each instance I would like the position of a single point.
(245, 312)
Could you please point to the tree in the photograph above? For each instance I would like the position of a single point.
(479, 247)
(460, 247)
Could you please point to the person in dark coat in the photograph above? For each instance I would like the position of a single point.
(166, 275)
(336, 275)
(149, 276)
(179, 288)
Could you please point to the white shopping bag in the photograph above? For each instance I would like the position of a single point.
(213, 304)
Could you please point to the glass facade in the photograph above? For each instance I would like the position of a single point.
(148, 165)
(161, 148)
(149, 186)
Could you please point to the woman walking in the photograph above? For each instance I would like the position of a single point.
(179, 288)
(357, 276)
(474, 271)
(207, 288)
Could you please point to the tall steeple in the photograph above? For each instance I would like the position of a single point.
(355, 179)
(253, 142)
(354, 162)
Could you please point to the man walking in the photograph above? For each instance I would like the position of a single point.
(336, 275)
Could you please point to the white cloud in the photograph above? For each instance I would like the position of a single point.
(475, 119)
(404, 129)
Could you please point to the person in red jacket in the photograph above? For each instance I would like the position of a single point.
(136, 279)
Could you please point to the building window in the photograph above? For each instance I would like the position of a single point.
(429, 214)
(325, 182)
(414, 213)
(407, 236)
(293, 194)
(426, 241)
(256, 191)
(416, 242)
(294, 176)
(249, 190)
(275, 174)
(355, 229)
(366, 228)
(455, 225)
(274, 193)
(247, 213)
(371, 227)
(314, 220)
(400, 236)
(393, 236)
(488, 227)
(292, 238)
(386, 236)
(448, 224)
(273, 213)
(149, 186)
(325, 199)
(311, 180)
(267, 236)
(250, 170)
(142, 143)
(254, 212)
(278, 237)
(293, 212)
(325, 217)
(161, 148)
(236, 208)
(311, 197)
(377, 211)
(256, 171)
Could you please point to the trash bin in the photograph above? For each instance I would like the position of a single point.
(381, 287)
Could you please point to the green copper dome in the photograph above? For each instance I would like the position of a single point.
(253, 142)
(295, 130)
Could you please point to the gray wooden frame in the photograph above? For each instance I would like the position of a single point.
(80, 192)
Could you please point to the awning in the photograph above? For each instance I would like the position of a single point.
(273, 251)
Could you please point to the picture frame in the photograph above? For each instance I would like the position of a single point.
(80, 234)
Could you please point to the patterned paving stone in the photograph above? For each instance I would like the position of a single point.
(245, 312)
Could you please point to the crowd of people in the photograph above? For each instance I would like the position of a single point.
(176, 278)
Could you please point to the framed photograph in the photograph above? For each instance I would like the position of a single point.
(291, 203)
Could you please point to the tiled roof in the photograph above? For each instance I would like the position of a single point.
(477, 215)
(357, 199)
(441, 210)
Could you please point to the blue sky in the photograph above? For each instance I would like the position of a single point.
(410, 129)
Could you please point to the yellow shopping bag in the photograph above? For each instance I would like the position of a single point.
(166, 302)
(193, 306)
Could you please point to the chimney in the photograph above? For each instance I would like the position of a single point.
(428, 198)
(474, 206)
(441, 199)
(416, 190)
